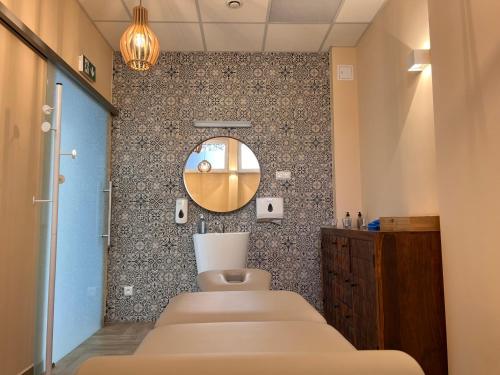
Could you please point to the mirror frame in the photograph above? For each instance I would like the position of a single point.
(184, 176)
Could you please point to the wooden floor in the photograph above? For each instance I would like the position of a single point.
(113, 339)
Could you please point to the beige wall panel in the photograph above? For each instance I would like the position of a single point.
(465, 38)
(66, 28)
(22, 79)
(398, 166)
(345, 134)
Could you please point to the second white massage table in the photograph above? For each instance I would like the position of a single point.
(238, 306)
(248, 332)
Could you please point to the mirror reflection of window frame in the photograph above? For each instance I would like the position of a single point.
(245, 170)
(205, 202)
(213, 141)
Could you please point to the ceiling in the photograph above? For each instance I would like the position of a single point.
(258, 25)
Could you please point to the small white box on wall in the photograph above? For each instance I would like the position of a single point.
(345, 72)
(270, 210)
(181, 211)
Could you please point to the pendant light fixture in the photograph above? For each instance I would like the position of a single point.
(204, 166)
(139, 45)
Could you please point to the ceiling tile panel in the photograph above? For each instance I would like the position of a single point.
(218, 11)
(300, 11)
(178, 36)
(112, 31)
(233, 37)
(172, 36)
(359, 11)
(109, 10)
(288, 37)
(168, 10)
(344, 35)
(295, 25)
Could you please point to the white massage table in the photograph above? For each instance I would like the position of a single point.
(238, 306)
(244, 337)
(249, 332)
(384, 362)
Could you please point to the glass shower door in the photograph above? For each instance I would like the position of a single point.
(81, 249)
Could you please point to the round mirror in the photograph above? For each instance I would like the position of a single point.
(222, 174)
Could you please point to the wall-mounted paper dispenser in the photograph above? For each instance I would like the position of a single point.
(181, 210)
(270, 210)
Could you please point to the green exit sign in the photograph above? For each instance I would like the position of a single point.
(86, 67)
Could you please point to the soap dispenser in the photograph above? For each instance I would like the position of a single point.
(181, 211)
(347, 221)
(202, 225)
(360, 222)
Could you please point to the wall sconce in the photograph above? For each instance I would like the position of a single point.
(419, 59)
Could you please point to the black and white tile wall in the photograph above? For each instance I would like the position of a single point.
(286, 96)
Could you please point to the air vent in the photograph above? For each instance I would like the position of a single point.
(234, 4)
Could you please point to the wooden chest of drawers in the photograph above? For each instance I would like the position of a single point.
(384, 290)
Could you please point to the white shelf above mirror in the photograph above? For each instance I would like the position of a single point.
(222, 124)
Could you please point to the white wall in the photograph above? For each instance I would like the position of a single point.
(465, 36)
(396, 123)
(345, 135)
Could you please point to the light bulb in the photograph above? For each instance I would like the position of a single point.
(139, 40)
(204, 166)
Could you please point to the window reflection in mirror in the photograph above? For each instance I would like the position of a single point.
(222, 174)
(214, 151)
(247, 160)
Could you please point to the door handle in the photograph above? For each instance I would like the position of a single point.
(109, 190)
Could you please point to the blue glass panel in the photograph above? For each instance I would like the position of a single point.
(82, 209)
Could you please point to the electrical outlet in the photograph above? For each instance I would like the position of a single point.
(283, 175)
(128, 290)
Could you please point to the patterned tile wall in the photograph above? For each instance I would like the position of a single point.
(286, 96)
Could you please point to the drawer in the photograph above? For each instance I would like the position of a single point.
(362, 249)
(346, 322)
(366, 330)
(346, 311)
(342, 256)
(342, 288)
(363, 269)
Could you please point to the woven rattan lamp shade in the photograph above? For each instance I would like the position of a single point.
(139, 45)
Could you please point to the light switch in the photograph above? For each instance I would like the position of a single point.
(128, 290)
(283, 175)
